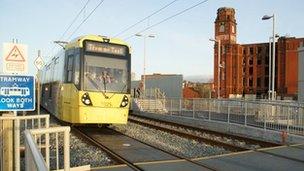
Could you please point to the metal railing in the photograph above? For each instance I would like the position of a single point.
(34, 159)
(268, 115)
(17, 124)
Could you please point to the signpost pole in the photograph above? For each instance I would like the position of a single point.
(38, 94)
(38, 86)
(39, 63)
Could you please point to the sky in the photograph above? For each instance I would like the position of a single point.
(181, 44)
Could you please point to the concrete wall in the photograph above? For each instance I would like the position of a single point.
(171, 85)
(301, 74)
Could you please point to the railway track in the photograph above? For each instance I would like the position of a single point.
(100, 137)
(118, 158)
(173, 128)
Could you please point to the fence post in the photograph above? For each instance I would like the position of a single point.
(180, 106)
(17, 144)
(209, 110)
(288, 116)
(218, 106)
(47, 144)
(193, 108)
(228, 113)
(67, 149)
(265, 118)
(171, 106)
(149, 100)
(8, 149)
(246, 110)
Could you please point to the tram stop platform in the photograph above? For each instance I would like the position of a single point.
(275, 158)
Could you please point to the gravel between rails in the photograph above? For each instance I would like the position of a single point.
(169, 142)
(205, 135)
(81, 152)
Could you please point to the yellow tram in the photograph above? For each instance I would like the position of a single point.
(89, 81)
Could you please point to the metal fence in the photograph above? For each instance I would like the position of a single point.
(45, 148)
(272, 115)
(34, 159)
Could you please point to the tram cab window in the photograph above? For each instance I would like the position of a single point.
(105, 74)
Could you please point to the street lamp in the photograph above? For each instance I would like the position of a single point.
(269, 66)
(144, 74)
(218, 65)
(266, 17)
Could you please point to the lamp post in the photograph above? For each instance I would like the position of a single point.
(269, 66)
(144, 74)
(266, 17)
(218, 65)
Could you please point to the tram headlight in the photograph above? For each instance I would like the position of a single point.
(85, 99)
(125, 101)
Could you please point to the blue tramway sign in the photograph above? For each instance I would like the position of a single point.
(17, 93)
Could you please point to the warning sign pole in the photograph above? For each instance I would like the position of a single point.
(38, 86)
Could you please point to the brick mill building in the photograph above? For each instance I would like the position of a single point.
(245, 67)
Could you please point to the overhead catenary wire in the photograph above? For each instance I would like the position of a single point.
(85, 19)
(82, 9)
(67, 29)
(140, 21)
(168, 18)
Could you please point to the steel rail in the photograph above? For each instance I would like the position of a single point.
(114, 155)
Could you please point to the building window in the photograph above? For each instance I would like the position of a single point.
(266, 70)
(259, 82)
(267, 60)
(259, 60)
(259, 50)
(250, 70)
(222, 27)
(266, 81)
(232, 29)
(250, 61)
(251, 50)
(250, 82)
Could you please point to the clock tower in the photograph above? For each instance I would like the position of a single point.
(225, 25)
(226, 75)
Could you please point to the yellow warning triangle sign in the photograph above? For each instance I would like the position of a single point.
(15, 55)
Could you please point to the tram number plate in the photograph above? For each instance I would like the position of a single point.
(106, 104)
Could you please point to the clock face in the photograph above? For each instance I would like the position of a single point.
(222, 27)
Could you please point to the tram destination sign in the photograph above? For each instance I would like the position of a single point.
(105, 48)
(17, 93)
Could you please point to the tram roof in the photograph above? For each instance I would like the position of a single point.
(78, 42)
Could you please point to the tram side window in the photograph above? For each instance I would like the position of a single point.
(76, 69)
(70, 68)
(73, 68)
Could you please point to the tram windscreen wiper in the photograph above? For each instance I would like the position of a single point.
(96, 85)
